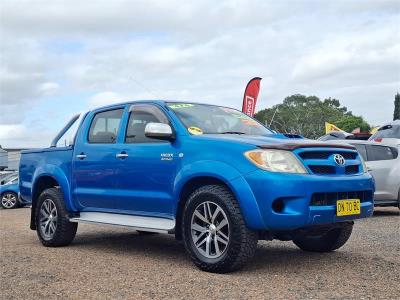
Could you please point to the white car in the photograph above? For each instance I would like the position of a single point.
(383, 162)
(388, 134)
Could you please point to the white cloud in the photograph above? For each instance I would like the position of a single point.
(91, 54)
(25, 136)
(105, 98)
(49, 88)
(372, 58)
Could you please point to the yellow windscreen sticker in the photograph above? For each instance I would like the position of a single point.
(195, 130)
(181, 105)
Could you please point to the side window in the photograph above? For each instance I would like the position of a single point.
(140, 115)
(381, 153)
(104, 127)
(362, 150)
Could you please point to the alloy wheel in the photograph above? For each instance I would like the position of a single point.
(9, 200)
(48, 219)
(210, 230)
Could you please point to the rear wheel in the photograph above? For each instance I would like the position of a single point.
(214, 232)
(53, 226)
(326, 241)
(9, 200)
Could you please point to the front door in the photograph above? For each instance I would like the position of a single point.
(94, 161)
(380, 163)
(146, 167)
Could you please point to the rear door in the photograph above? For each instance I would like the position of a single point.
(94, 161)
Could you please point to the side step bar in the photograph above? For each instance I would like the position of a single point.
(150, 224)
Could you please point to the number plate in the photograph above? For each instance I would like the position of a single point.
(348, 207)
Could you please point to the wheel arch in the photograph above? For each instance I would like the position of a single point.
(237, 185)
(187, 189)
(8, 191)
(54, 177)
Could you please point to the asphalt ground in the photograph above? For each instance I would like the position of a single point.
(117, 263)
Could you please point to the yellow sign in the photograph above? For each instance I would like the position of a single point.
(374, 130)
(348, 207)
(195, 130)
(330, 127)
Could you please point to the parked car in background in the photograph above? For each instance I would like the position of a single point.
(388, 133)
(9, 194)
(340, 135)
(212, 176)
(6, 176)
(383, 162)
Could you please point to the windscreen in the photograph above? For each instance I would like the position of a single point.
(211, 119)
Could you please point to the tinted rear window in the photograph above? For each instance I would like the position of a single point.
(388, 131)
(362, 150)
(381, 152)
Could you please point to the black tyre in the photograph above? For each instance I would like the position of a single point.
(214, 232)
(52, 224)
(327, 241)
(9, 200)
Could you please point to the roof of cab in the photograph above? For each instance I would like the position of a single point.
(160, 102)
(157, 101)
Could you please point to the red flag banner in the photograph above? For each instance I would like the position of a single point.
(250, 96)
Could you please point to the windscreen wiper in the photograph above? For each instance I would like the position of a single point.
(232, 132)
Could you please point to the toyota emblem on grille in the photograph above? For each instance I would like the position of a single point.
(339, 159)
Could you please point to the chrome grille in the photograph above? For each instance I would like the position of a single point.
(321, 161)
(326, 154)
(322, 169)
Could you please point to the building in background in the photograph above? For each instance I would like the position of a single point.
(3, 159)
(9, 158)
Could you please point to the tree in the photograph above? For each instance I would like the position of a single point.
(396, 114)
(349, 123)
(306, 115)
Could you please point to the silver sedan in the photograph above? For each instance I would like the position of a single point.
(383, 162)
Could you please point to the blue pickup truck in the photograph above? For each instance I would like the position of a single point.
(212, 176)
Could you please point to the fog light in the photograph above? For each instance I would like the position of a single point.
(278, 205)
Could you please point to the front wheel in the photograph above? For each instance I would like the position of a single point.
(326, 241)
(53, 226)
(214, 232)
(9, 200)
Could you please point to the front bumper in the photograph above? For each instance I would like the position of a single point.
(295, 192)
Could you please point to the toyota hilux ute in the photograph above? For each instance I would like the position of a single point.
(212, 176)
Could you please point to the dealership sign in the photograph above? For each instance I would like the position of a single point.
(250, 96)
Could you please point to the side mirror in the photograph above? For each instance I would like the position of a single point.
(159, 131)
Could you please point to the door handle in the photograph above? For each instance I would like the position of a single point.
(122, 155)
(81, 156)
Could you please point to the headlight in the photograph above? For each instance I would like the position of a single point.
(276, 161)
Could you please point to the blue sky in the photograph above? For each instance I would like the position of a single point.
(62, 57)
